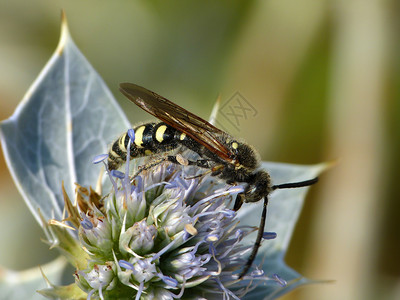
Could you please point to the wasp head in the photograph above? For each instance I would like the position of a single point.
(258, 187)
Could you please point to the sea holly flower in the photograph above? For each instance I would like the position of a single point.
(166, 233)
(161, 235)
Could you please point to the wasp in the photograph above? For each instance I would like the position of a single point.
(225, 157)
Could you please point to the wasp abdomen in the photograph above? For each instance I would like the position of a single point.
(150, 138)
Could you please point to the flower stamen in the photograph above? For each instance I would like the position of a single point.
(269, 235)
(282, 282)
(140, 291)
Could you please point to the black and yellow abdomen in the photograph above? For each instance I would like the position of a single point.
(150, 139)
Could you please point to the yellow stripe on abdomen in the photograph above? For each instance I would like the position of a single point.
(139, 136)
(160, 133)
(121, 142)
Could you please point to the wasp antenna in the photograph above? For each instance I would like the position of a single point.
(257, 244)
(295, 184)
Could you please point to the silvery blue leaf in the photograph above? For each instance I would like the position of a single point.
(24, 284)
(67, 116)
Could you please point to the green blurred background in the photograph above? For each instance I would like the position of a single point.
(323, 77)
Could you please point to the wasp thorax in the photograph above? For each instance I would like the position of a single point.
(245, 155)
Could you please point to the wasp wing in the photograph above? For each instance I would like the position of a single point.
(172, 114)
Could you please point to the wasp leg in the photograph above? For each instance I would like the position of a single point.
(169, 158)
(259, 238)
(215, 171)
(148, 166)
(198, 175)
(238, 202)
(201, 163)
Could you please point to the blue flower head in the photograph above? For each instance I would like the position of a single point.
(164, 234)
